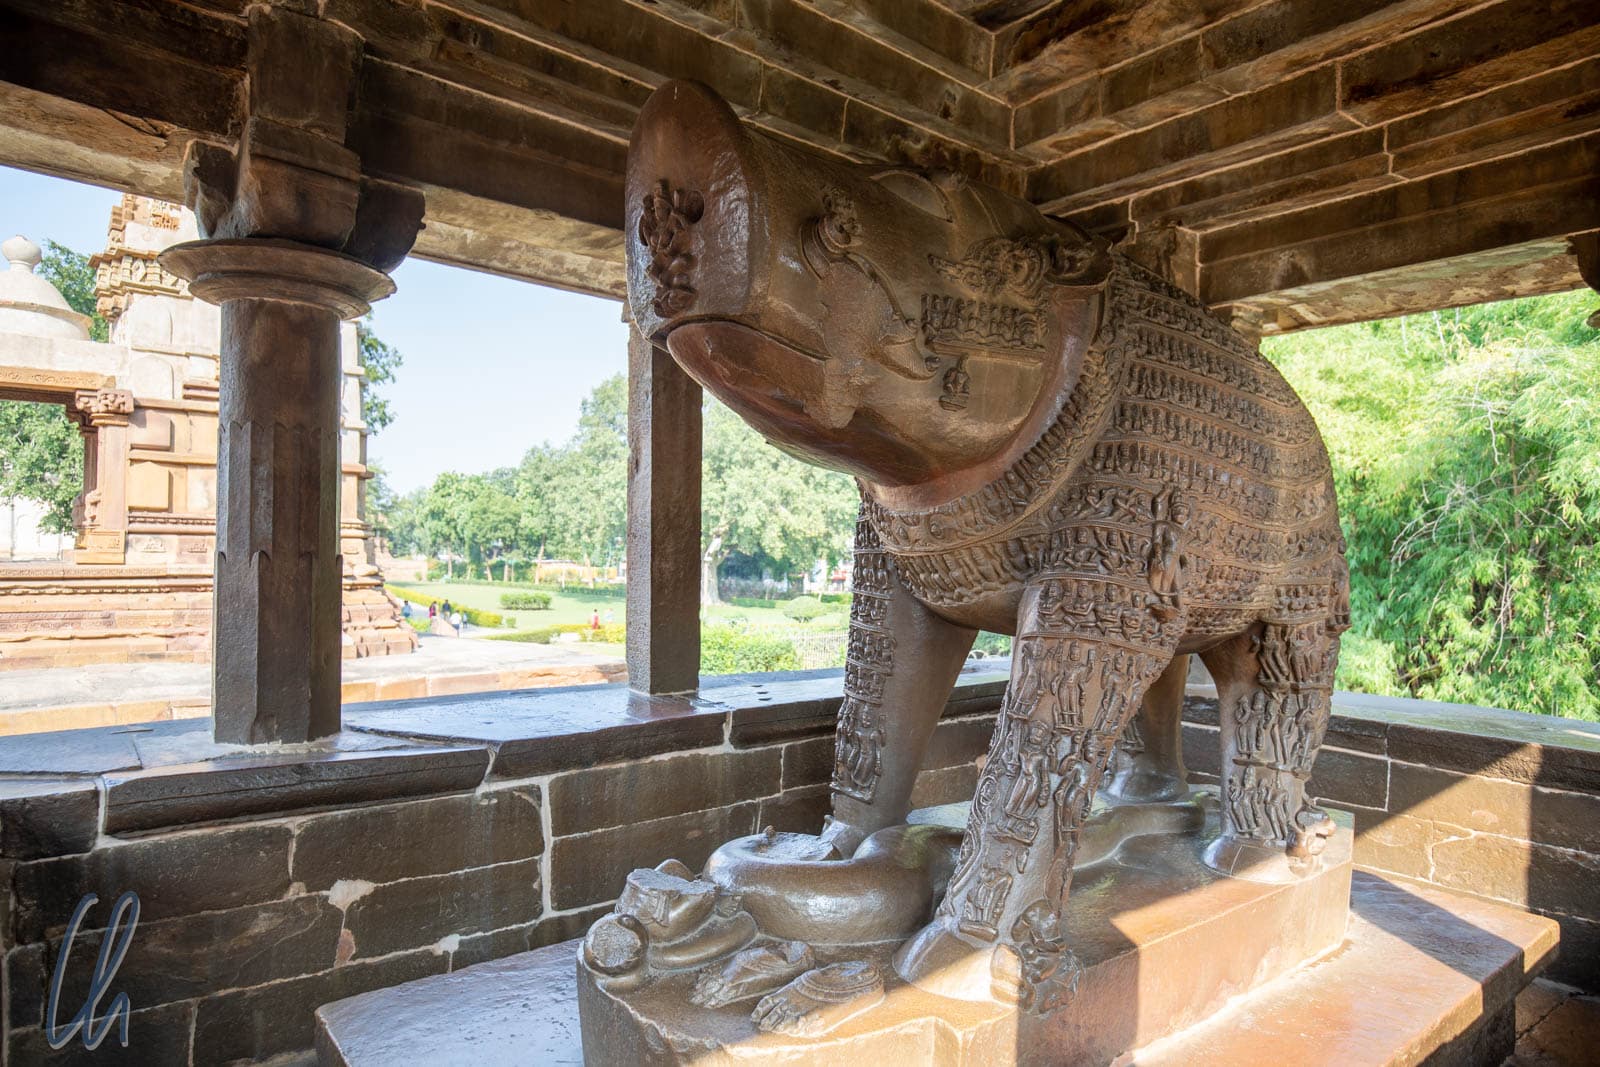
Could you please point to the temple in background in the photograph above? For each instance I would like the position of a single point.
(136, 583)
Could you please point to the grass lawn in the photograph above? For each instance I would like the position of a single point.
(580, 604)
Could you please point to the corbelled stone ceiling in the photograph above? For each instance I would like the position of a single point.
(1294, 162)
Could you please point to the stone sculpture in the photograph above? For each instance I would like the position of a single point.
(1050, 442)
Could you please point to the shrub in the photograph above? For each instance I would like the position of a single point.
(525, 601)
(804, 608)
(488, 619)
(992, 644)
(609, 634)
(726, 650)
(533, 637)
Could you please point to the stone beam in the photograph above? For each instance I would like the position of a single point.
(1285, 115)
(1532, 269)
(1544, 194)
(522, 243)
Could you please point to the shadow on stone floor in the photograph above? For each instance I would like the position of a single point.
(1557, 1026)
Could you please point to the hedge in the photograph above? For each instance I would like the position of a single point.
(490, 620)
(525, 601)
(804, 608)
(610, 633)
(729, 650)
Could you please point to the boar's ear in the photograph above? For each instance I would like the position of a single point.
(917, 189)
(1076, 256)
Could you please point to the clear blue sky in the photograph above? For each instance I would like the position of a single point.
(492, 366)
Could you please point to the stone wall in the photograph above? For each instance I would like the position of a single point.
(271, 885)
(437, 833)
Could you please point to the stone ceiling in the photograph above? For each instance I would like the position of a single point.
(1294, 162)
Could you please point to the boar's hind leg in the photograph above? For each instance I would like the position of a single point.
(1075, 683)
(1149, 760)
(901, 665)
(1274, 689)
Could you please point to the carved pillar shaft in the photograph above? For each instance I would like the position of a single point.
(664, 423)
(102, 536)
(276, 634)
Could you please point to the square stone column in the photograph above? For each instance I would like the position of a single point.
(664, 423)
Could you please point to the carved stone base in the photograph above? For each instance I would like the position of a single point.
(1163, 941)
(1424, 975)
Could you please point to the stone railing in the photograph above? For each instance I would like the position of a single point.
(436, 833)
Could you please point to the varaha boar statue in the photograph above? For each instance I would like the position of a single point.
(1050, 442)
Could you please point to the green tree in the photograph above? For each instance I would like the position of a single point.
(380, 362)
(73, 278)
(1466, 447)
(584, 484)
(759, 501)
(42, 459)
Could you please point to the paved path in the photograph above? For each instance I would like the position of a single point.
(62, 698)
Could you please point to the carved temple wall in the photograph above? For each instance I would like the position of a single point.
(444, 832)
(137, 583)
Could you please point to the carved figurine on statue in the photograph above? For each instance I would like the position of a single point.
(1050, 442)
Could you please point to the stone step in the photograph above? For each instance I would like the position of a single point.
(1424, 975)
(1423, 972)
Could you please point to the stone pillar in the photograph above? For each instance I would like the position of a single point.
(663, 635)
(279, 572)
(103, 532)
(295, 239)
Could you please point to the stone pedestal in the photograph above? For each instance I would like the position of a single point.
(276, 622)
(1164, 942)
(1423, 975)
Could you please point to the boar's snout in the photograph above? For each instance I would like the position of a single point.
(690, 187)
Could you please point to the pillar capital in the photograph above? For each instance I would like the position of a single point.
(104, 407)
(264, 268)
(292, 177)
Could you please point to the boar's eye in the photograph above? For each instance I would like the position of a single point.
(916, 189)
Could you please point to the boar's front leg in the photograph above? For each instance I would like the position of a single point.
(1087, 650)
(901, 666)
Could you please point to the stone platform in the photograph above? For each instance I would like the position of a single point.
(117, 694)
(1163, 941)
(1421, 973)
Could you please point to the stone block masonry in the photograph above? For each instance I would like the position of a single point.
(271, 884)
(437, 833)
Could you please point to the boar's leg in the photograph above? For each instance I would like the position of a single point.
(1079, 670)
(901, 666)
(1149, 760)
(1274, 692)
